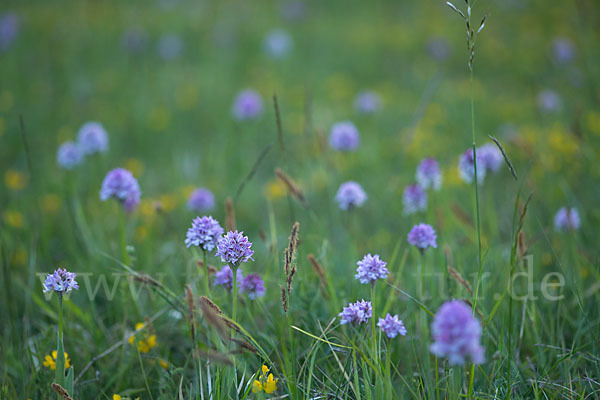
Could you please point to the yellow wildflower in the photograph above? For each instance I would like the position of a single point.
(270, 385)
(50, 361)
(116, 397)
(163, 363)
(13, 218)
(14, 180)
(50, 202)
(257, 387)
(275, 189)
(265, 383)
(144, 344)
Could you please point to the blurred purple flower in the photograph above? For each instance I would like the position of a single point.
(60, 281)
(438, 48)
(371, 268)
(92, 138)
(293, 10)
(134, 41)
(254, 285)
(567, 219)
(392, 326)
(549, 101)
(224, 277)
(69, 155)
(234, 248)
(429, 174)
(563, 50)
(414, 199)
(367, 102)
(201, 200)
(277, 43)
(350, 195)
(247, 105)
(344, 136)
(170, 46)
(490, 156)
(466, 167)
(9, 29)
(121, 185)
(204, 233)
(356, 313)
(456, 334)
(422, 236)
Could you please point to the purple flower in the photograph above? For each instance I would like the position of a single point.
(254, 285)
(367, 102)
(414, 199)
(170, 46)
(490, 156)
(356, 313)
(92, 138)
(60, 281)
(422, 236)
(429, 174)
(225, 277)
(344, 136)
(466, 167)
(234, 248)
(392, 326)
(134, 40)
(438, 48)
(549, 101)
(567, 219)
(247, 105)
(277, 43)
(204, 233)
(69, 155)
(457, 334)
(292, 10)
(201, 200)
(9, 29)
(122, 186)
(371, 268)
(350, 195)
(563, 50)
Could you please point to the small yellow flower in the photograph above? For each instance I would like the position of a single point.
(50, 361)
(13, 218)
(50, 202)
(151, 341)
(257, 387)
(271, 384)
(163, 363)
(146, 342)
(14, 180)
(275, 189)
(264, 382)
(116, 397)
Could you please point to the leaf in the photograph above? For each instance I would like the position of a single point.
(69, 381)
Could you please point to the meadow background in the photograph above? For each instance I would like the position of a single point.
(161, 77)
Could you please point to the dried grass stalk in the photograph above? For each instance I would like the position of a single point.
(292, 187)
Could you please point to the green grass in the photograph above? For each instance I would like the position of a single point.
(170, 123)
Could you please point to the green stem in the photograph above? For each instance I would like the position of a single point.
(124, 253)
(373, 314)
(143, 371)
(479, 258)
(206, 276)
(234, 291)
(60, 348)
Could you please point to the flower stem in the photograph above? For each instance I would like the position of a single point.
(479, 257)
(373, 314)
(60, 348)
(206, 276)
(124, 253)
